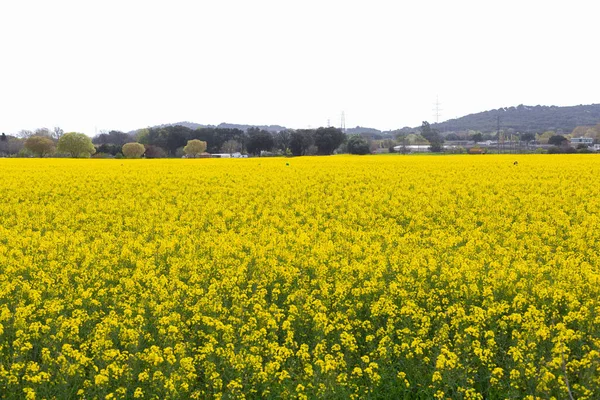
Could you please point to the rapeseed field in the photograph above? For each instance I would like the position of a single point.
(469, 277)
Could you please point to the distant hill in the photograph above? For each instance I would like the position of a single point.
(526, 119)
(523, 119)
(270, 128)
(187, 124)
(362, 130)
(224, 125)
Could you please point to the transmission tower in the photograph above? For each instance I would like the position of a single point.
(498, 134)
(343, 122)
(437, 111)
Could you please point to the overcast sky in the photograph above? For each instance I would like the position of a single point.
(100, 65)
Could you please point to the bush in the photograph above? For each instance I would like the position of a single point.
(108, 148)
(554, 150)
(133, 150)
(570, 150)
(457, 150)
(102, 155)
(24, 152)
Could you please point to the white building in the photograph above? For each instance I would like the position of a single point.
(582, 140)
(413, 148)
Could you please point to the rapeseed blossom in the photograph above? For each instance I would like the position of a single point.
(345, 277)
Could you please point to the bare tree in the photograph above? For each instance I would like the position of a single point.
(231, 146)
(43, 132)
(57, 133)
(24, 134)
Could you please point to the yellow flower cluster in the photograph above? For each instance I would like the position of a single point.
(339, 277)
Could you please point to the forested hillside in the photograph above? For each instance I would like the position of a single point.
(526, 119)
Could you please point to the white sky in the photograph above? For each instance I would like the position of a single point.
(121, 64)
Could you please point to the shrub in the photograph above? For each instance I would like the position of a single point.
(108, 148)
(102, 155)
(133, 150)
(457, 150)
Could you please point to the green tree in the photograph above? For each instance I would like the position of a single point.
(133, 150)
(177, 137)
(76, 145)
(259, 140)
(328, 139)
(436, 142)
(557, 140)
(301, 140)
(194, 148)
(283, 140)
(3, 143)
(170, 138)
(477, 137)
(544, 137)
(527, 137)
(142, 135)
(40, 145)
(111, 149)
(113, 137)
(358, 145)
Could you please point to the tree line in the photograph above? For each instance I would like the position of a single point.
(254, 141)
(171, 141)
